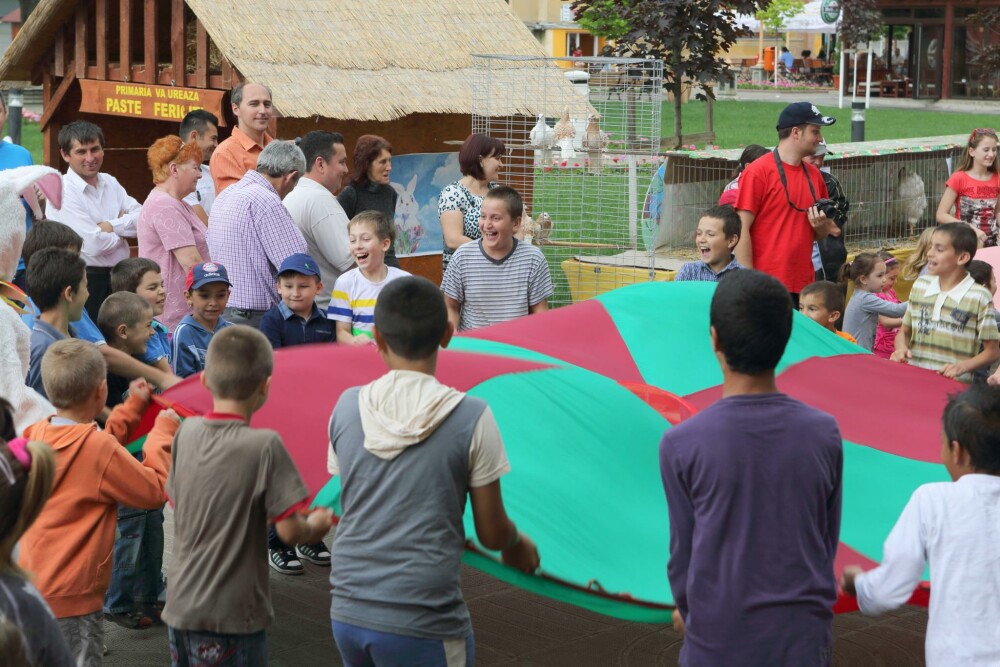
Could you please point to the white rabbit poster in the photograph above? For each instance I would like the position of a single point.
(418, 180)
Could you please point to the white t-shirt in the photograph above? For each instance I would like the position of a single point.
(354, 298)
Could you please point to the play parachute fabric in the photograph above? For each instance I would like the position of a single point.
(583, 395)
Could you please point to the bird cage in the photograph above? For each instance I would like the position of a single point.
(893, 187)
(582, 138)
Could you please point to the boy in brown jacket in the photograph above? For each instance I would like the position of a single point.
(69, 547)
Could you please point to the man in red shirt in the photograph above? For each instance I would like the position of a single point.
(777, 200)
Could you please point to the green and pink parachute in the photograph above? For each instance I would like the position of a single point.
(583, 395)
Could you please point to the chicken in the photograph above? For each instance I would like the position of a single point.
(565, 133)
(536, 231)
(594, 142)
(910, 201)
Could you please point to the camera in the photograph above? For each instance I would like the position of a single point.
(827, 207)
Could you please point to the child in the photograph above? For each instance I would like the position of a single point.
(142, 276)
(57, 283)
(126, 322)
(228, 480)
(950, 326)
(867, 272)
(396, 591)
(69, 548)
(717, 234)
(982, 273)
(916, 264)
(953, 528)
(296, 321)
(207, 293)
(975, 187)
(496, 278)
(888, 327)
(714, 466)
(354, 294)
(823, 302)
(27, 470)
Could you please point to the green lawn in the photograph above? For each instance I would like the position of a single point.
(31, 138)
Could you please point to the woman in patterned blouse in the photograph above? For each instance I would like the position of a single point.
(458, 206)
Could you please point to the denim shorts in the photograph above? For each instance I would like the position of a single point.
(361, 647)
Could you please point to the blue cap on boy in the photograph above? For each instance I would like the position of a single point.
(205, 273)
(300, 263)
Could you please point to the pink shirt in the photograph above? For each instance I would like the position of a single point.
(166, 224)
(977, 202)
(885, 339)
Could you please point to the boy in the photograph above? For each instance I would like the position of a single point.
(497, 278)
(396, 592)
(953, 527)
(823, 302)
(228, 480)
(717, 234)
(370, 235)
(714, 466)
(69, 547)
(949, 315)
(142, 276)
(57, 283)
(126, 322)
(297, 320)
(207, 293)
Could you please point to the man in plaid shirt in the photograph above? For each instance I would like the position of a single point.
(251, 233)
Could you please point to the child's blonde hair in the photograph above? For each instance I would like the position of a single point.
(238, 360)
(71, 370)
(384, 229)
(918, 258)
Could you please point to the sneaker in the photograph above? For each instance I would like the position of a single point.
(317, 553)
(133, 620)
(284, 561)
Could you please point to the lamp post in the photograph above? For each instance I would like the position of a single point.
(15, 102)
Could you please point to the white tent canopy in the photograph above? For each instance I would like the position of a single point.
(809, 20)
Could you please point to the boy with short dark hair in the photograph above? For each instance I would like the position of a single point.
(717, 234)
(953, 528)
(950, 324)
(126, 322)
(219, 591)
(396, 591)
(142, 276)
(207, 293)
(497, 278)
(823, 303)
(714, 467)
(57, 283)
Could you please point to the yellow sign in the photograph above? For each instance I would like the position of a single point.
(137, 100)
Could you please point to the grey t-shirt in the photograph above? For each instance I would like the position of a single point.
(861, 318)
(22, 606)
(226, 481)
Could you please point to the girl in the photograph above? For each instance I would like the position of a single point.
(888, 327)
(732, 189)
(916, 264)
(975, 187)
(982, 273)
(867, 272)
(29, 634)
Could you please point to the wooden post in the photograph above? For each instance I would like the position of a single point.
(101, 37)
(150, 64)
(81, 41)
(201, 56)
(59, 53)
(125, 40)
(177, 55)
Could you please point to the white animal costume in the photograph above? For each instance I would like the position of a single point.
(15, 338)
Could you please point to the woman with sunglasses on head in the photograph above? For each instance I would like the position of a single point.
(169, 231)
(973, 190)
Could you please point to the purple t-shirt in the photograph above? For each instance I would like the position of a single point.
(753, 486)
(166, 224)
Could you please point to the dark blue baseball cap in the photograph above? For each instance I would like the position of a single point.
(205, 273)
(300, 263)
(802, 113)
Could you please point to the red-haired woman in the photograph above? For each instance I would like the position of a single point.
(169, 231)
(459, 203)
(369, 189)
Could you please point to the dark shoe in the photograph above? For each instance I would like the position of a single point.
(317, 553)
(133, 620)
(152, 611)
(284, 561)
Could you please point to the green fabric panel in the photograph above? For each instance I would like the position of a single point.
(136, 445)
(666, 328)
(482, 346)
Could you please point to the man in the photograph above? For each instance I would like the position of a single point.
(829, 254)
(202, 127)
(316, 211)
(95, 206)
(251, 233)
(11, 156)
(777, 200)
(238, 154)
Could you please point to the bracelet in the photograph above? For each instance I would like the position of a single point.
(514, 541)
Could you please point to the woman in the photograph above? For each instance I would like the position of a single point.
(459, 204)
(369, 189)
(169, 231)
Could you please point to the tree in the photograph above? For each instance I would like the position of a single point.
(988, 58)
(860, 23)
(774, 17)
(689, 36)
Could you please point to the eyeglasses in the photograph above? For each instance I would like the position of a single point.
(988, 131)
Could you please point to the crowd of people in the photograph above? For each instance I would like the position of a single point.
(266, 248)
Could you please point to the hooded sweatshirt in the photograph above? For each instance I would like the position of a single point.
(69, 547)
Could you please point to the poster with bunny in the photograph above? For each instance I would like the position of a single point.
(418, 180)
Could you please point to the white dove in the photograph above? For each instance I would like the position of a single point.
(541, 134)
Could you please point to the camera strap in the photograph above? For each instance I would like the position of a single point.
(784, 182)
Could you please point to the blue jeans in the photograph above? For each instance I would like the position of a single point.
(361, 647)
(138, 560)
(194, 648)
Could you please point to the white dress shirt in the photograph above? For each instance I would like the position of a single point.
(84, 206)
(204, 192)
(955, 527)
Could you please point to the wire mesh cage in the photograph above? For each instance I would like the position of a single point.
(893, 187)
(582, 138)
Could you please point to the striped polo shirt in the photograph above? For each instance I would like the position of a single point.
(948, 327)
(493, 291)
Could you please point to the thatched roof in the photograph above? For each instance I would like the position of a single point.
(351, 59)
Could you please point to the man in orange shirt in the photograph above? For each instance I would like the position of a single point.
(238, 154)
